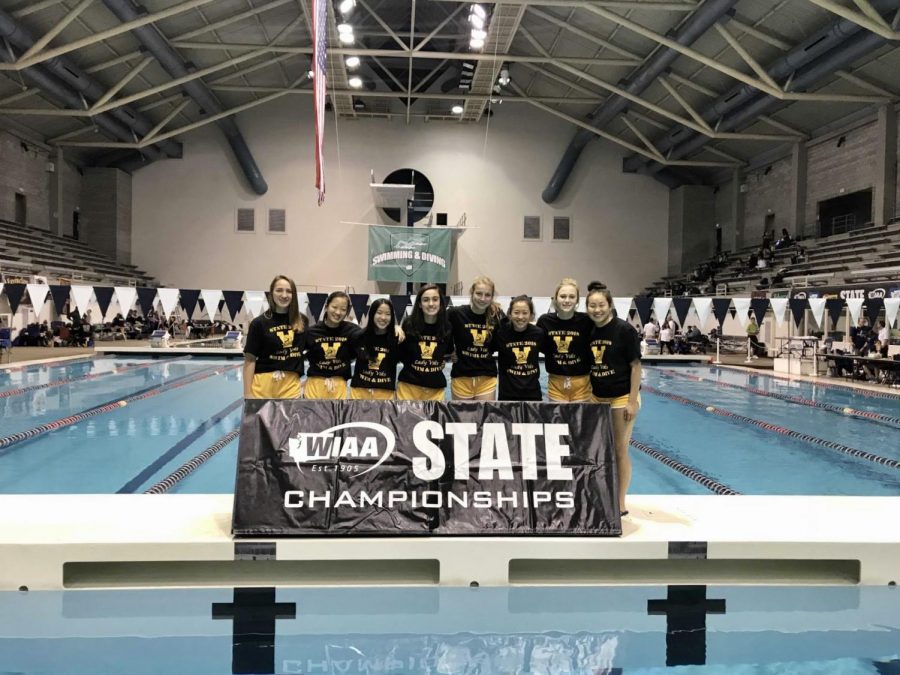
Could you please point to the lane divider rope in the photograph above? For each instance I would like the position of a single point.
(847, 450)
(704, 480)
(799, 400)
(191, 465)
(13, 439)
(819, 383)
(82, 378)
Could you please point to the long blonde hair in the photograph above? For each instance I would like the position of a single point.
(494, 311)
(295, 318)
(566, 281)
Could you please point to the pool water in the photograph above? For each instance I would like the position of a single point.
(751, 433)
(648, 630)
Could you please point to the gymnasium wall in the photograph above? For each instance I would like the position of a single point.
(184, 211)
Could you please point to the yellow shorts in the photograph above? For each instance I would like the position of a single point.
(360, 394)
(325, 388)
(616, 402)
(470, 387)
(280, 384)
(578, 389)
(411, 392)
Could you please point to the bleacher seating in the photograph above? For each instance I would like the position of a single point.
(31, 251)
(868, 253)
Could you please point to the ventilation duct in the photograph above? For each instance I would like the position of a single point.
(172, 62)
(695, 25)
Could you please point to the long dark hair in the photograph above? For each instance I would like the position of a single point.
(334, 296)
(598, 287)
(417, 316)
(295, 318)
(369, 334)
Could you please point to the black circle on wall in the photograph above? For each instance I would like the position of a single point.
(423, 195)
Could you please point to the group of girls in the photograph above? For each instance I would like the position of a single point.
(589, 357)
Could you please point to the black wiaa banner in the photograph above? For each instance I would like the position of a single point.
(425, 468)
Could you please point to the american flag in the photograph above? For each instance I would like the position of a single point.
(320, 39)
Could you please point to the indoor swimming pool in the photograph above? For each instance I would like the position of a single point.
(122, 425)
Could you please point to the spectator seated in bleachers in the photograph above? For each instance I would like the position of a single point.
(785, 240)
(799, 255)
(763, 284)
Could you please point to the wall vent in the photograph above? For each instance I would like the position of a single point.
(277, 221)
(531, 228)
(562, 228)
(246, 220)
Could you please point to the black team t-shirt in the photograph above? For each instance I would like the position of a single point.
(423, 355)
(275, 344)
(376, 362)
(566, 343)
(518, 354)
(330, 350)
(472, 341)
(613, 349)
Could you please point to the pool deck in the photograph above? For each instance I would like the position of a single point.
(53, 542)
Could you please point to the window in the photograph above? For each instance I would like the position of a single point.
(277, 221)
(562, 228)
(531, 230)
(246, 220)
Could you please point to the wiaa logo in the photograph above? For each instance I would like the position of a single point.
(877, 293)
(327, 445)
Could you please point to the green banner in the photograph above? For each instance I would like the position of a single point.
(409, 254)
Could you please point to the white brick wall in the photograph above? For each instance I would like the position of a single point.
(767, 193)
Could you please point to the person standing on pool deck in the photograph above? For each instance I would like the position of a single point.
(615, 348)
(428, 341)
(377, 352)
(331, 346)
(518, 343)
(273, 354)
(474, 373)
(567, 363)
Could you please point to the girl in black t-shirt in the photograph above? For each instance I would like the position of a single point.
(567, 362)
(615, 348)
(428, 341)
(377, 352)
(273, 354)
(331, 347)
(518, 343)
(474, 372)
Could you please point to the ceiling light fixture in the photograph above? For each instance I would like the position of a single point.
(478, 34)
(346, 6)
(476, 44)
(457, 109)
(352, 62)
(344, 28)
(346, 38)
(476, 21)
(355, 82)
(478, 11)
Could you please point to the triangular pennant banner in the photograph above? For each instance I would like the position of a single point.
(835, 307)
(1, 288)
(212, 300)
(742, 310)
(316, 305)
(542, 305)
(189, 297)
(873, 309)
(126, 295)
(798, 309)
(702, 307)
(458, 300)
(643, 304)
(104, 298)
(168, 297)
(720, 309)
(38, 295)
(82, 296)
(682, 307)
(360, 303)
(233, 301)
(854, 305)
(400, 303)
(60, 295)
(255, 303)
(622, 305)
(14, 294)
(661, 308)
(890, 311)
(817, 307)
(146, 298)
(759, 307)
(778, 307)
